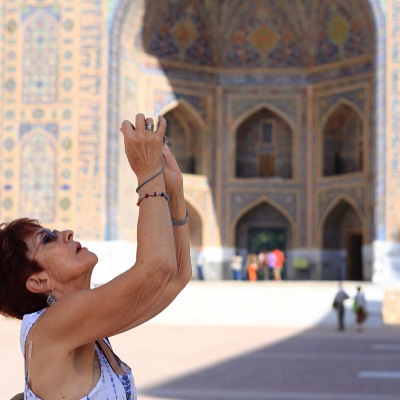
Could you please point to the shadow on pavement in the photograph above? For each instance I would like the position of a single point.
(318, 364)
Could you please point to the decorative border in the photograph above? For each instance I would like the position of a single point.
(379, 131)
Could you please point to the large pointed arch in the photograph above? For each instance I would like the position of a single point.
(251, 206)
(253, 156)
(186, 137)
(331, 207)
(263, 105)
(336, 105)
(354, 147)
(192, 111)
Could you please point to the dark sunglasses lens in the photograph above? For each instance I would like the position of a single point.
(46, 239)
(49, 236)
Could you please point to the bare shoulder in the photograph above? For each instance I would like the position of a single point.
(52, 368)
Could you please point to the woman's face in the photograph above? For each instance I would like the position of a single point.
(68, 264)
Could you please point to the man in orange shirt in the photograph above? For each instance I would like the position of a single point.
(279, 260)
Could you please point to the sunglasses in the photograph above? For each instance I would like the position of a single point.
(47, 237)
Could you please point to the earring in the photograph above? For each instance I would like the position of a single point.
(51, 299)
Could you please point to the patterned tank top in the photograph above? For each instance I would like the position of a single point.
(110, 386)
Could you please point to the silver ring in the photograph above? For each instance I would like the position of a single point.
(149, 127)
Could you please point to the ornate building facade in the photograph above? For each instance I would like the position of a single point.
(283, 115)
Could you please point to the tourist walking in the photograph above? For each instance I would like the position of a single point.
(236, 267)
(360, 308)
(252, 266)
(338, 305)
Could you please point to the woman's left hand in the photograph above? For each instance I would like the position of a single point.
(172, 174)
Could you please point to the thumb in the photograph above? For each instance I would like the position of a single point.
(167, 153)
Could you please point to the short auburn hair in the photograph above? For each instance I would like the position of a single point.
(16, 267)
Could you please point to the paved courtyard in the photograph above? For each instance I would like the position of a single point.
(207, 362)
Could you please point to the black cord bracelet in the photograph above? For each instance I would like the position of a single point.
(158, 173)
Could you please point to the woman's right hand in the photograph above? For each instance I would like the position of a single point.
(143, 148)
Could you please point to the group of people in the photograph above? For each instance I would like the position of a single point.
(359, 307)
(264, 266)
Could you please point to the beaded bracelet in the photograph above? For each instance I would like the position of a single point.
(152, 194)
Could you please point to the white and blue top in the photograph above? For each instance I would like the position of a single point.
(110, 386)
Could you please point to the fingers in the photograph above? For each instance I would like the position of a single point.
(149, 121)
(140, 123)
(162, 126)
(127, 128)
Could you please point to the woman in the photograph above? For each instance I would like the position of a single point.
(67, 355)
(236, 267)
(252, 266)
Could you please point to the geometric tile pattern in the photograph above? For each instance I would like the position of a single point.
(183, 36)
(342, 34)
(40, 58)
(264, 40)
(259, 33)
(38, 176)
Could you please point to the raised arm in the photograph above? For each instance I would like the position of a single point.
(88, 315)
(174, 186)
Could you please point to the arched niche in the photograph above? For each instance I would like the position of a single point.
(343, 239)
(195, 227)
(343, 142)
(264, 146)
(185, 139)
(263, 227)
